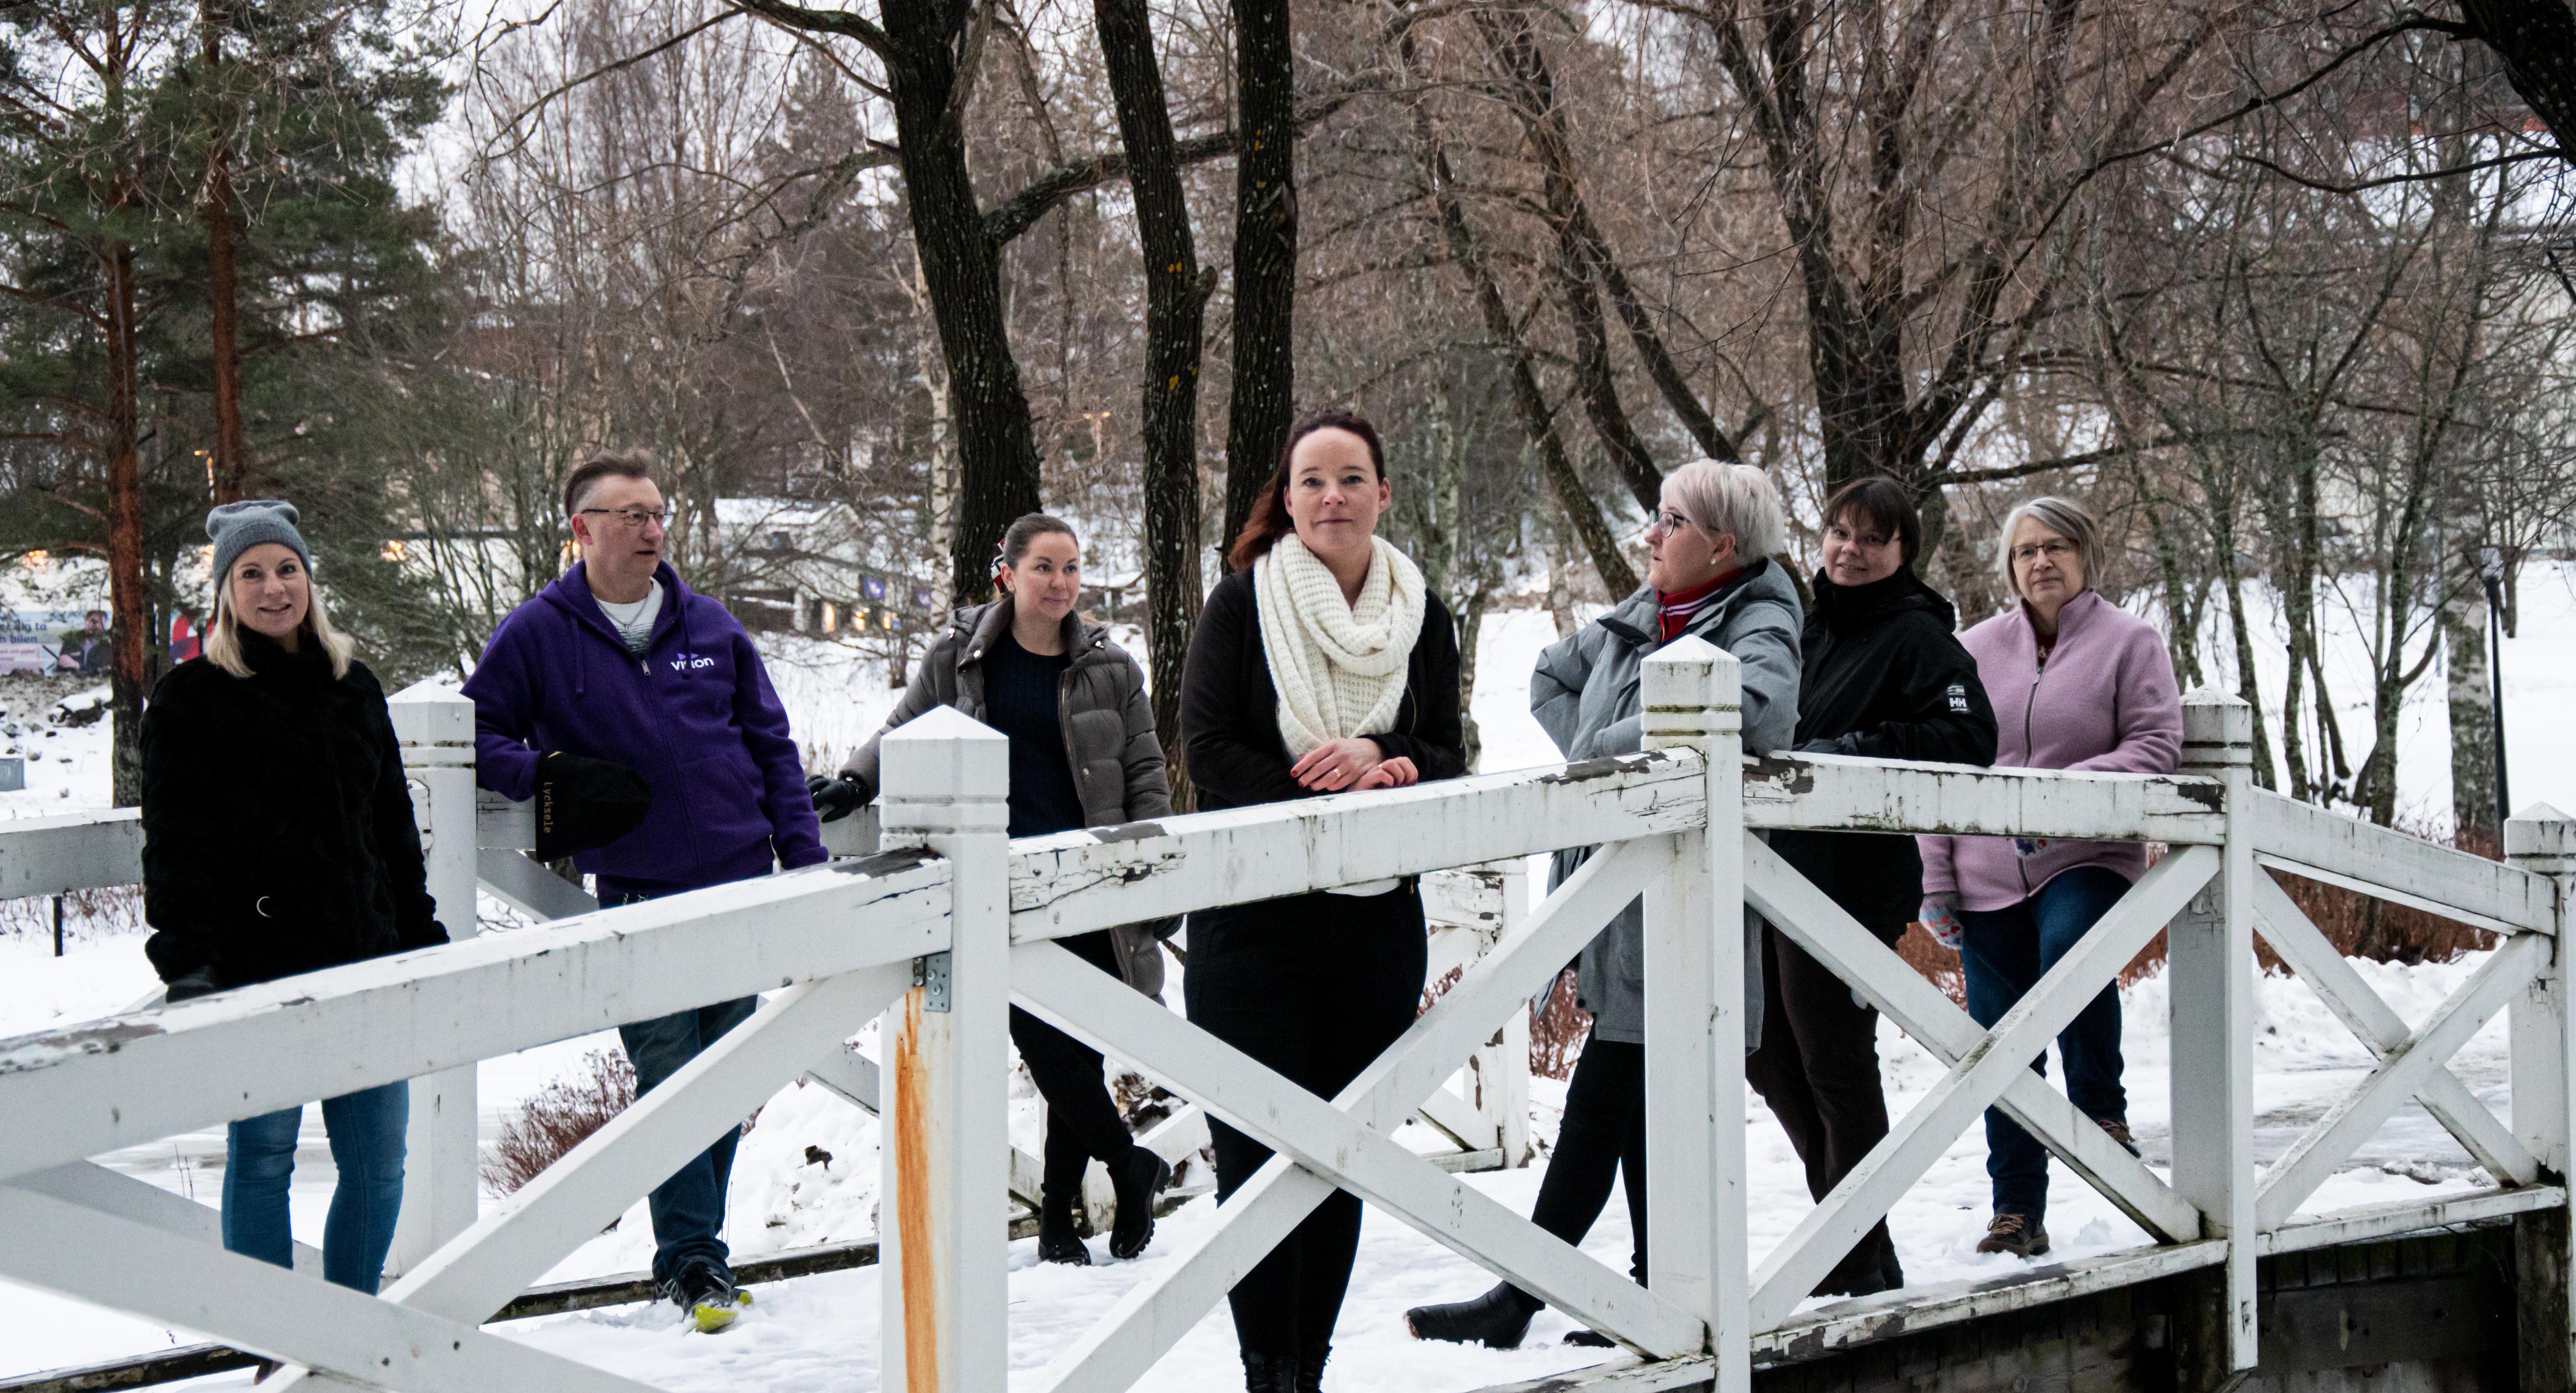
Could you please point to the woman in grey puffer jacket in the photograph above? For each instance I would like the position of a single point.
(1083, 754)
(1710, 576)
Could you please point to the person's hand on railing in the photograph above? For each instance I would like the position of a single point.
(1397, 772)
(187, 984)
(1338, 766)
(836, 798)
(1943, 924)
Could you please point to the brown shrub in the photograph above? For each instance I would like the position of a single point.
(556, 1119)
(111, 909)
(1558, 1030)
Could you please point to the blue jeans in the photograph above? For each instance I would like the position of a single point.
(689, 1208)
(2006, 952)
(367, 1144)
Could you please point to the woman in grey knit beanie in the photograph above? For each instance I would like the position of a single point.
(242, 527)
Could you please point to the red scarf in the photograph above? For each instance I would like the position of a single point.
(1674, 612)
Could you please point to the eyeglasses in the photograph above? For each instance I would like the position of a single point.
(1840, 533)
(634, 518)
(1667, 521)
(2056, 551)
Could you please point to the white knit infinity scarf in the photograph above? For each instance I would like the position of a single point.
(1339, 667)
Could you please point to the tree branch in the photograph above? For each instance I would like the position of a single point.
(1021, 211)
(2322, 186)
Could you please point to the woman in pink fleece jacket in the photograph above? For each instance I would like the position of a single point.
(2076, 684)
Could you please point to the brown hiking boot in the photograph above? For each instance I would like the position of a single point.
(2118, 1131)
(2021, 1235)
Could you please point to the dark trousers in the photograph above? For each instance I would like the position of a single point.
(1082, 1123)
(2006, 952)
(1315, 987)
(1818, 1069)
(1602, 1138)
(689, 1208)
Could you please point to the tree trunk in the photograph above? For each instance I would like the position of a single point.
(997, 451)
(223, 302)
(1528, 403)
(1543, 125)
(1265, 256)
(2537, 41)
(1175, 303)
(129, 669)
(2468, 665)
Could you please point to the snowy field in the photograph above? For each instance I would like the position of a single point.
(819, 1333)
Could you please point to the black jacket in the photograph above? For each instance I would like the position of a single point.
(1883, 676)
(277, 825)
(1230, 708)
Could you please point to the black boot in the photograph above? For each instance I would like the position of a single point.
(1497, 1320)
(1269, 1373)
(1059, 1236)
(1310, 1369)
(1137, 1183)
(1590, 1339)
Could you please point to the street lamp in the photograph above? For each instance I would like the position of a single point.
(2491, 572)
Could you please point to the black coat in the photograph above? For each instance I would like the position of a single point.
(1230, 707)
(277, 825)
(1883, 676)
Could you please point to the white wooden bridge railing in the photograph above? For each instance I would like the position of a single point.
(953, 922)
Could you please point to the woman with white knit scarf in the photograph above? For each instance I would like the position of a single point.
(1321, 665)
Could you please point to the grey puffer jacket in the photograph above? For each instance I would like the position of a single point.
(1585, 695)
(1109, 737)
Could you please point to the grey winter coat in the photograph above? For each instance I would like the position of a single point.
(1585, 696)
(1109, 737)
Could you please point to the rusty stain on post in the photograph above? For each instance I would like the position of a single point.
(912, 1199)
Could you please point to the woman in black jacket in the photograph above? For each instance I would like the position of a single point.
(1321, 665)
(278, 839)
(1882, 675)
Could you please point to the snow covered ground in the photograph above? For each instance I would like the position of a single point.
(819, 1333)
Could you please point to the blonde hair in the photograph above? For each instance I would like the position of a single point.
(1730, 500)
(223, 637)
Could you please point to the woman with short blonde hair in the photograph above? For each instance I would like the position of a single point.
(2076, 683)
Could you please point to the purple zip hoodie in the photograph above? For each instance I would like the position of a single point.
(2106, 701)
(695, 716)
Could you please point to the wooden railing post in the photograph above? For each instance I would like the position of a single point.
(442, 1188)
(943, 1222)
(2211, 972)
(2542, 840)
(1695, 1015)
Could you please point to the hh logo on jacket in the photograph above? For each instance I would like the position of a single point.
(685, 661)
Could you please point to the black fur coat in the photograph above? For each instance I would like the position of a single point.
(277, 825)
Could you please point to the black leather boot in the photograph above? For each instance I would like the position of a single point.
(1310, 1368)
(1269, 1373)
(1497, 1320)
(1136, 1183)
(1059, 1236)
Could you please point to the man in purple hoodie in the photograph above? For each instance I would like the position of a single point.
(616, 671)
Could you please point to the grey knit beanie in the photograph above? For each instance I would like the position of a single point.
(237, 527)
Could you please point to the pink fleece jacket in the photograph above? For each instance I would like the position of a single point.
(2106, 701)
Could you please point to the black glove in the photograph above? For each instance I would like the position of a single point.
(585, 803)
(189, 984)
(837, 797)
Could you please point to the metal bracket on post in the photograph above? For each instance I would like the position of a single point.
(943, 1222)
(2211, 964)
(930, 973)
(1696, 942)
(442, 1187)
(2542, 840)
